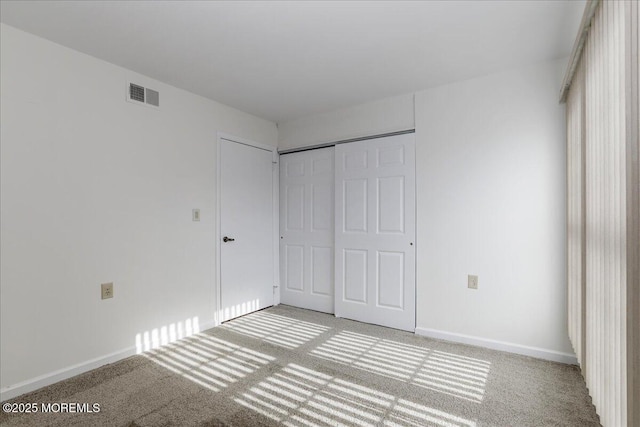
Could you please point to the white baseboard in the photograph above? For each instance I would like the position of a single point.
(62, 374)
(208, 325)
(80, 368)
(539, 353)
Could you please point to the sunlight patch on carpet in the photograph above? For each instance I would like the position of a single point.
(297, 396)
(275, 329)
(208, 361)
(452, 374)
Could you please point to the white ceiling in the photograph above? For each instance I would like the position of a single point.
(283, 60)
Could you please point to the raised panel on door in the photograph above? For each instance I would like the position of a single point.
(307, 229)
(354, 203)
(390, 196)
(294, 275)
(322, 271)
(355, 275)
(321, 200)
(390, 273)
(375, 231)
(295, 207)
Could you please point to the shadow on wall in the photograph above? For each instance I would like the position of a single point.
(237, 310)
(167, 334)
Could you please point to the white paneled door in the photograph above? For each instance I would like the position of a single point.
(306, 229)
(375, 231)
(246, 229)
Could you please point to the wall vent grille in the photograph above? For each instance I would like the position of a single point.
(141, 95)
(152, 97)
(136, 93)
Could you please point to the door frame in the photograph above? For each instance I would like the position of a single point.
(275, 190)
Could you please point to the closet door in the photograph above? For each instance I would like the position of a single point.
(375, 231)
(306, 229)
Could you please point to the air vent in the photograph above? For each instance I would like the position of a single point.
(141, 95)
(136, 93)
(153, 97)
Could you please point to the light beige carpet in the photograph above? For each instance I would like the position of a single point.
(288, 366)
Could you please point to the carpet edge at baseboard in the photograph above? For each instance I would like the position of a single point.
(540, 353)
(47, 379)
(63, 374)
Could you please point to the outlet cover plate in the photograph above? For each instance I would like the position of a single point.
(106, 290)
(472, 282)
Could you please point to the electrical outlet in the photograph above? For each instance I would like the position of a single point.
(472, 282)
(106, 290)
(195, 214)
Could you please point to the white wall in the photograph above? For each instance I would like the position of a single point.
(373, 118)
(95, 189)
(490, 165)
(491, 202)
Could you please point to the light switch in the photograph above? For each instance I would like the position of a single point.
(196, 214)
(472, 282)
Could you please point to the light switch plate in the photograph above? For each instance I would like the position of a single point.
(195, 215)
(472, 282)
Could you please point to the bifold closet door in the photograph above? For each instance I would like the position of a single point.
(306, 229)
(375, 231)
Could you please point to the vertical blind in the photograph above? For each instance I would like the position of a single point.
(575, 209)
(603, 215)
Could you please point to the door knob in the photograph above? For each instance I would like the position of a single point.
(228, 239)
